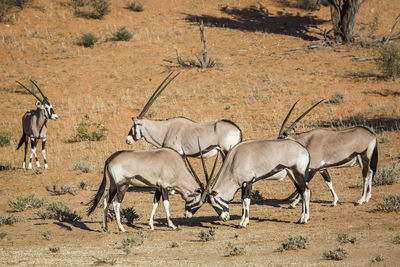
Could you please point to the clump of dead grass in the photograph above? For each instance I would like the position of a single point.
(62, 190)
(344, 238)
(234, 250)
(206, 236)
(389, 61)
(294, 243)
(337, 254)
(9, 220)
(387, 174)
(389, 203)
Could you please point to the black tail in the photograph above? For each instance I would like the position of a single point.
(21, 141)
(96, 199)
(374, 160)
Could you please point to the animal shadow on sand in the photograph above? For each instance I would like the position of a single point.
(258, 19)
(80, 225)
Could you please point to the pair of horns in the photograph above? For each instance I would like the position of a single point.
(32, 93)
(210, 181)
(157, 93)
(284, 133)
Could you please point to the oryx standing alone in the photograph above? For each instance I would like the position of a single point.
(181, 134)
(34, 126)
(254, 160)
(163, 169)
(335, 149)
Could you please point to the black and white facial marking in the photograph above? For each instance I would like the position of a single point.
(48, 108)
(220, 206)
(193, 204)
(134, 133)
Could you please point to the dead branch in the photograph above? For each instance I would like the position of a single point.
(308, 47)
(392, 34)
(360, 59)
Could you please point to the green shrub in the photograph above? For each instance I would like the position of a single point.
(89, 131)
(59, 211)
(207, 235)
(21, 203)
(235, 250)
(82, 165)
(100, 8)
(128, 215)
(344, 238)
(9, 220)
(122, 34)
(387, 175)
(5, 138)
(88, 40)
(389, 61)
(135, 6)
(294, 243)
(337, 254)
(389, 203)
(256, 197)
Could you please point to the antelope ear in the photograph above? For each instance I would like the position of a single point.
(39, 104)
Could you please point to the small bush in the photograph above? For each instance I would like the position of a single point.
(54, 249)
(80, 3)
(337, 254)
(62, 190)
(378, 258)
(336, 99)
(5, 138)
(9, 220)
(137, 240)
(5, 10)
(122, 34)
(294, 243)
(59, 211)
(174, 244)
(235, 250)
(344, 238)
(207, 235)
(88, 39)
(100, 8)
(256, 197)
(98, 261)
(2, 235)
(84, 186)
(389, 203)
(21, 203)
(389, 61)
(47, 235)
(38, 171)
(387, 175)
(128, 215)
(89, 131)
(396, 239)
(135, 6)
(82, 165)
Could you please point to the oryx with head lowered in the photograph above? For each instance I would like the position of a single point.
(335, 149)
(34, 126)
(251, 161)
(180, 134)
(163, 168)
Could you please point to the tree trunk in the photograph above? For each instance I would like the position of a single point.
(343, 15)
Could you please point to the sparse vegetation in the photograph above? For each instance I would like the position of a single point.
(84, 186)
(9, 220)
(5, 10)
(88, 39)
(122, 34)
(387, 174)
(378, 258)
(396, 239)
(389, 203)
(235, 250)
(59, 211)
(21, 203)
(294, 243)
(38, 171)
(83, 165)
(89, 131)
(128, 215)
(2, 235)
(47, 235)
(389, 61)
(337, 98)
(95, 9)
(137, 240)
(54, 249)
(135, 6)
(5, 138)
(256, 197)
(207, 235)
(98, 261)
(309, 4)
(337, 254)
(344, 238)
(174, 244)
(62, 190)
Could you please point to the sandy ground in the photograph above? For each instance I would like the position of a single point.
(255, 82)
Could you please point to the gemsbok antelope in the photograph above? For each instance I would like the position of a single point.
(254, 160)
(180, 134)
(163, 169)
(335, 149)
(34, 126)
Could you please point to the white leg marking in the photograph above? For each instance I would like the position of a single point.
(30, 160)
(24, 165)
(45, 158)
(105, 227)
(365, 184)
(166, 206)
(153, 211)
(117, 206)
(36, 157)
(246, 209)
(295, 202)
(335, 197)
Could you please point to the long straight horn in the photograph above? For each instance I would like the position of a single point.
(211, 182)
(193, 172)
(202, 160)
(302, 115)
(286, 119)
(44, 97)
(32, 93)
(156, 93)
